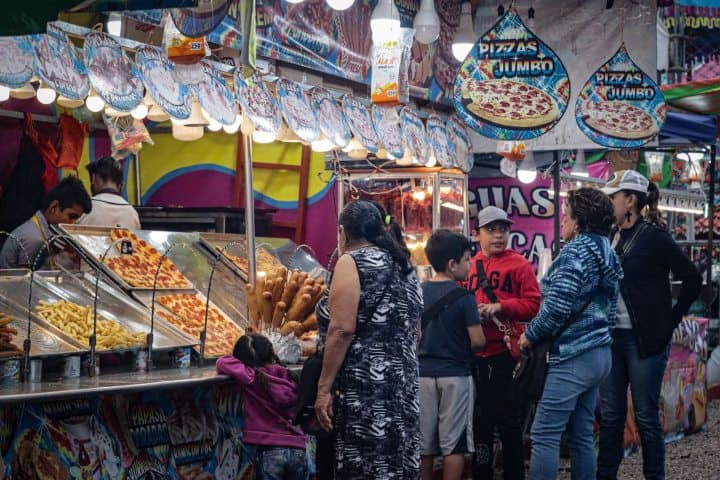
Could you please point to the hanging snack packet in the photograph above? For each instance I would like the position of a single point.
(181, 49)
(386, 73)
(126, 135)
(406, 41)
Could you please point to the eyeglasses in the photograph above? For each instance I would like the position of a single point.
(497, 228)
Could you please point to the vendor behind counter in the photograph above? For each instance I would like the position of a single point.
(109, 208)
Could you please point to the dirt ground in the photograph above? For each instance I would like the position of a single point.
(695, 457)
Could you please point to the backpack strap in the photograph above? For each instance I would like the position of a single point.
(446, 300)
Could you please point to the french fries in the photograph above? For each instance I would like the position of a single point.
(285, 301)
(77, 321)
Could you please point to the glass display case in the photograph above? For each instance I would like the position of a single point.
(420, 201)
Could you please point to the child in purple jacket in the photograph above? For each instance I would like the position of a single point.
(270, 396)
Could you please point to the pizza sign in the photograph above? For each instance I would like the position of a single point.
(620, 106)
(511, 86)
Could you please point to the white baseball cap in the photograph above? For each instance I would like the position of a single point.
(492, 214)
(626, 180)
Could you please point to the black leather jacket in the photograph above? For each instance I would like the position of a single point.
(646, 286)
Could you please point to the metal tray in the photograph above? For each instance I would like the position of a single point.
(45, 339)
(92, 243)
(213, 242)
(112, 305)
(146, 299)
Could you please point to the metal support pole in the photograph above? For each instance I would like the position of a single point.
(556, 202)
(138, 192)
(249, 207)
(711, 216)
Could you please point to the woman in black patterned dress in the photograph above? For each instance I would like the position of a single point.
(368, 323)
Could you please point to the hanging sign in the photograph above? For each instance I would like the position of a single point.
(511, 86)
(460, 144)
(16, 62)
(257, 103)
(620, 106)
(387, 125)
(438, 140)
(414, 136)
(111, 72)
(296, 110)
(360, 123)
(215, 96)
(59, 66)
(331, 118)
(156, 73)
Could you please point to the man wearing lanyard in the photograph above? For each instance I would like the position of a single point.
(28, 244)
(109, 208)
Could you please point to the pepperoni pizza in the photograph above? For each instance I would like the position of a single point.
(619, 120)
(509, 103)
(139, 268)
(188, 314)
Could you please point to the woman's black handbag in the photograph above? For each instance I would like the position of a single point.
(305, 415)
(531, 369)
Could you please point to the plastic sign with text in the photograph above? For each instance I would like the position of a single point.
(511, 86)
(620, 106)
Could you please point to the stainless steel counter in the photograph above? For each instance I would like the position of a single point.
(114, 384)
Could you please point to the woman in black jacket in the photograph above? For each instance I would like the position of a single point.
(646, 321)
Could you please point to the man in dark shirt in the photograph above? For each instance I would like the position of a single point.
(448, 341)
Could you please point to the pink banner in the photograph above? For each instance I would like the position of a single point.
(529, 206)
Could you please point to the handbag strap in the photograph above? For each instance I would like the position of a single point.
(484, 282)
(447, 299)
(625, 248)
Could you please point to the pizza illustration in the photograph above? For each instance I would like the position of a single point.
(619, 120)
(508, 103)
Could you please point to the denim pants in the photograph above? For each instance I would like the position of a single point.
(568, 401)
(280, 463)
(645, 378)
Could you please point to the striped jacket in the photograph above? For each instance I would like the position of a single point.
(587, 269)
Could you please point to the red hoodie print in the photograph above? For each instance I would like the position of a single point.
(513, 280)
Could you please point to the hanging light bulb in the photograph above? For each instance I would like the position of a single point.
(4, 93)
(157, 114)
(580, 169)
(93, 102)
(340, 4)
(427, 23)
(23, 93)
(260, 136)
(233, 127)
(464, 36)
(385, 22)
(45, 94)
(322, 145)
(527, 171)
(114, 24)
(140, 112)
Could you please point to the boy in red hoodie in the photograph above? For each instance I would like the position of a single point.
(270, 398)
(512, 281)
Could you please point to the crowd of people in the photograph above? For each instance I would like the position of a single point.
(413, 372)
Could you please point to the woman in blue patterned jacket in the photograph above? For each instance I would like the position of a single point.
(578, 312)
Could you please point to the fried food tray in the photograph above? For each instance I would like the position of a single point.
(45, 339)
(145, 298)
(113, 305)
(91, 243)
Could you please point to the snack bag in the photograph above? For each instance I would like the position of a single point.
(406, 43)
(181, 49)
(386, 73)
(126, 135)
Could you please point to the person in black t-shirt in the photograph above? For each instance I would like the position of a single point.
(447, 392)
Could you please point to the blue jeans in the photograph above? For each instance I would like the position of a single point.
(280, 463)
(645, 377)
(569, 400)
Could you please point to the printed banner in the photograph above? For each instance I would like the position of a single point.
(58, 65)
(16, 62)
(529, 206)
(620, 106)
(157, 74)
(512, 86)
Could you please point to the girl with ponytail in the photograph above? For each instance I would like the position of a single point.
(367, 337)
(646, 319)
(270, 395)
